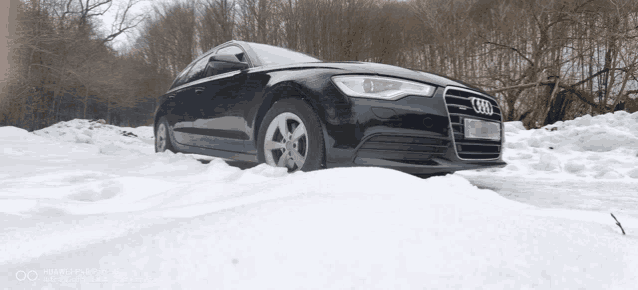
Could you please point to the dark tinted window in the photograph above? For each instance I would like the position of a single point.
(197, 72)
(181, 78)
(272, 55)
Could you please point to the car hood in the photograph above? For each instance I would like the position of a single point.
(353, 67)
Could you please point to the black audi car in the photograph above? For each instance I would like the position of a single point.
(265, 104)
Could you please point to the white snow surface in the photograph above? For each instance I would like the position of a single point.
(83, 206)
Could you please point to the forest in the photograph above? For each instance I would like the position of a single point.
(544, 60)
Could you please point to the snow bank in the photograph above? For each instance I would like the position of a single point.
(108, 138)
(364, 228)
(14, 133)
(600, 147)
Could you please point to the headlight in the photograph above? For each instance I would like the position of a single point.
(380, 87)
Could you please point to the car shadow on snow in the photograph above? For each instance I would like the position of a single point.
(239, 164)
(247, 165)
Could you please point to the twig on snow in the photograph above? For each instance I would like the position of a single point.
(618, 224)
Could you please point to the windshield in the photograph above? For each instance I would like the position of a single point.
(272, 55)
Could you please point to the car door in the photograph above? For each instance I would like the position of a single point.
(221, 126)
(186, 96)
(175, 103)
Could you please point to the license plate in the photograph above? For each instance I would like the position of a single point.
(477, 129)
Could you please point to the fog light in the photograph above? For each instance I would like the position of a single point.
(428, 123)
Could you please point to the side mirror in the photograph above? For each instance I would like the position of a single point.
(229, 60)
(223, 63)
(225, 58)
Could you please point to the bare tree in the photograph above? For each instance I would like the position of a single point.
(168, 39)
(217, 23)
(544, 60)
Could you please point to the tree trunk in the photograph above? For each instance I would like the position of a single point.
(621, 97)
(558, 109)
(86, 101)
(86, 96)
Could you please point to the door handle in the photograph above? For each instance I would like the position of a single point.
(199, 91)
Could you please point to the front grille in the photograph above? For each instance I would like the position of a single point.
(460, 107)
(404, 149)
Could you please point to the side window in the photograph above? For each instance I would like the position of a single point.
(197, 72)
(181, 78)
(216, 68)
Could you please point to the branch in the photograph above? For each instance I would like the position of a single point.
(576, 10)
(618, 224)
(512, 87)
(123, 24)
(68, 10)
(562, 85)
(86, 9)
(597, 74)
(570, 88)
(89, 8)
(560, 19)
(58, 70)
(512, 48)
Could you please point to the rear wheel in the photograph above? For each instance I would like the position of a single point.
(290, 136)
(162, 139)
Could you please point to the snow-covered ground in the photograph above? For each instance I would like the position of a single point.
(91, 206)
(589, 163)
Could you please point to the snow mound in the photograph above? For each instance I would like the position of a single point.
(346, 226)
(547, 162)
(13, 133)
(514, 127)
(602, 133)
(574, 166)
(98, 191)
(110, 140)
(600, 147)
(605, 139)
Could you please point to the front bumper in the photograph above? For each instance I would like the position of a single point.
(414, 134)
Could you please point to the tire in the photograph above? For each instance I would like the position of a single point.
(162, 138)
(297, 150)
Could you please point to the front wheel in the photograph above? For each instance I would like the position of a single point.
(290, 136)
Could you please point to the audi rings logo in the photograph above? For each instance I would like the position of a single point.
(482, 106)
(26, 275)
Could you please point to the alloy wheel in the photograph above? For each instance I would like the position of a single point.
(286, 142)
